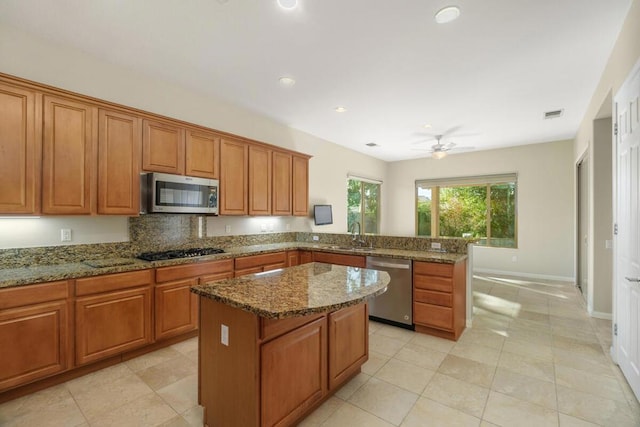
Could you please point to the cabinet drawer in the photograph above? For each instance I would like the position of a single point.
(433, 315)
(33, 294)
(179, 272)
(433, 269)
(261, 260)
(436, 298)
(349, 260)
(432, 283)
(216, 277)
(113, 282)
(271, 328)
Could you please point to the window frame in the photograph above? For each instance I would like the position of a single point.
(361, 219)
(486, 180)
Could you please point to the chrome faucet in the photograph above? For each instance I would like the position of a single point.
(357, 240)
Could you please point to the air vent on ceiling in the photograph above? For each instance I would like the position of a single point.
(371, 144)
(553, 114)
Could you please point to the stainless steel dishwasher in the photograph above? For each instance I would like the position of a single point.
(395, 305)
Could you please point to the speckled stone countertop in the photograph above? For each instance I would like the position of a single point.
(10, 277)
(297, 291)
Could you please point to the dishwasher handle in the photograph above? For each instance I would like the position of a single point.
(388, 265)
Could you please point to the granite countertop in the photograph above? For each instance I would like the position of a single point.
(11, 277)
(297, 291)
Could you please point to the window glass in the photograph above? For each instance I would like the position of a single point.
(363, 205)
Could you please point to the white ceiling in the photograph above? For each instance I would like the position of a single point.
(484, 80)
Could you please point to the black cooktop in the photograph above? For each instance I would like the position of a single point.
(178, 253)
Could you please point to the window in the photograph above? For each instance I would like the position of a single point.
(477, 207)
(363, 204)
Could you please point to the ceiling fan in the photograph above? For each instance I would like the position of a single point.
(440, 150)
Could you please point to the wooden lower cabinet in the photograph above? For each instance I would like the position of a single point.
(112, 323)
(348, 343)
(34, 333)
(340, 259)
(439, 298)
(259, 263)
(112, 314)
(293, 373)
(275, 372)
(175, 306)
(306, 257)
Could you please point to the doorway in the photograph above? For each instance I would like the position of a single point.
(583, 226)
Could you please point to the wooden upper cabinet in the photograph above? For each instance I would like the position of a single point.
(20, 150)
(259, 180)
(119, 147)
(234, 183)
(282, 177)
(163, 147)
(68, 156)
(300, 186)
(202, 154)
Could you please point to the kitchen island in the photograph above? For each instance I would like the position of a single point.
(275, 345)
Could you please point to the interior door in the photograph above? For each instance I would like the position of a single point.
(627, 239)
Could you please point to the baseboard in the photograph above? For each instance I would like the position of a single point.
(601, 315)
(526, 275)
(469, 323)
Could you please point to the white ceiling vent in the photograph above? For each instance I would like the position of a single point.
(553, 114)
(371, 144)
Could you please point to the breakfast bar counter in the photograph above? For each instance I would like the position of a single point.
(275, 345)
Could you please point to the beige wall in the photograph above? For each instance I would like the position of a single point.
(545, 204)
(24, 56)
(625, 54)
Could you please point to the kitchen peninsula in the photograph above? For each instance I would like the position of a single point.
(274, 345)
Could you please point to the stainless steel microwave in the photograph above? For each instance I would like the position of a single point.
(167, 193)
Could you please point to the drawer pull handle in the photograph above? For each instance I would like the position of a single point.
(633, 279)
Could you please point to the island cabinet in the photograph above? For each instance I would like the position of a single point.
(112, 314)
(439, 298)
(267, 372)
(340, 259)
(259, 263)
(176, 308)
(34, 333)
(21, 148)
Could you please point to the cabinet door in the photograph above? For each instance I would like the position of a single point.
(293, 258)
(176, 308)
(34, 342)
(348, 343)
(259, 180)
(119, 146)
(162, 147)
(202, 154)
(300, 192)
(293, 373)
(306, 257)
(234, 187)
(282, 184)
(20, 145)
(111, 323)
(68, 156)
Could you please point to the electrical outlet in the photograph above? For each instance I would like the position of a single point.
(263, 227)
(288, 227)
(65, 235)
(316, 238)
(270, 226)
(227, 229)
(224, 335)
(514, 258)
(436, 245)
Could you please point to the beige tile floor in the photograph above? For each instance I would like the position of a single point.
(532, 358)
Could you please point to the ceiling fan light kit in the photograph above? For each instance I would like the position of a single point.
(438, 154)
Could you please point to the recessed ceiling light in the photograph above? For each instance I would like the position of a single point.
(340, 109)
(286, 81)
(288, 4)
(447, 14)
(427, 126)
